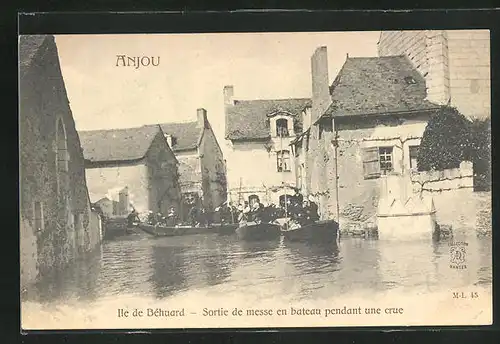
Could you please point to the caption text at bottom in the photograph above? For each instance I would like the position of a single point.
(240, 312)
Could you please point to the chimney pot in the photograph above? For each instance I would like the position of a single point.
(228, 95)
(202, 117)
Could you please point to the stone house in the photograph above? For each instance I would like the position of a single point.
(202, 168)
(366, 124)
(134, 167)
(56, 221)
(258, 136)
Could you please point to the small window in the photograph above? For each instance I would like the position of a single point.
(385, 154)
(283, 161)
(39, 222)
(377, 161)
(413, 152)
(282, 127)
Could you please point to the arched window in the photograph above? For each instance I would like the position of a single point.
(282, 127)
(62, 155)
(283, 161)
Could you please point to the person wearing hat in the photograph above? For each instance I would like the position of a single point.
(313, 209)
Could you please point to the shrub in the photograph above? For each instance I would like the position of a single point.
(446, 142)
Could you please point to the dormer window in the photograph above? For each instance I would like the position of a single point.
(282, 127)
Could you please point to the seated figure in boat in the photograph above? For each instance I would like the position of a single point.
(312, 209)
(255, 214)
(172, 218)
(193, 215)
(151, 218)
(133, 218)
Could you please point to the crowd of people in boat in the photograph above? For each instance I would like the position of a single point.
(296, 208)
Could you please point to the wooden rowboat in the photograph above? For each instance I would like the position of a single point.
(173, 231)
(258, 231)
(225, 229)
(325, 231)
(187, 230)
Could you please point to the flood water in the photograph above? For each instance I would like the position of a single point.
(159, 268)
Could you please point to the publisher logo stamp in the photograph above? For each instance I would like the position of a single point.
(458, 255)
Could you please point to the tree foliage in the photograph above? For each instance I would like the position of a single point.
(446, 142)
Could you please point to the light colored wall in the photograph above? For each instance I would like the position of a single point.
(257, 168)
(103, 181)
(29, 253)
(455, 64)
(470, 79)
(358, 197)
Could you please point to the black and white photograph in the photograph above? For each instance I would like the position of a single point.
(255, 180)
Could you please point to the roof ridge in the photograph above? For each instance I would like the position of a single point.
(275, 99)
(116, 129)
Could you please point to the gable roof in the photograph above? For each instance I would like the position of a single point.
(29, 45)
(184, 135)
(247, 119)
(378, 85)
(117, 144)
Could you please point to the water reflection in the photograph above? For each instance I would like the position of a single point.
(161, 267)
(168, 270)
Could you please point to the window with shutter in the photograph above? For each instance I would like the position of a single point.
(371, 163)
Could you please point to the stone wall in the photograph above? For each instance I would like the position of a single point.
(453, 194)
(189, 171)
(163, 186)
(469, 63)
(214, 179)
(54, 200)
(358, 195)
(455, 64)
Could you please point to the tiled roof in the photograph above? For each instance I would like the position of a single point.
(28, 47)
(117, 144)
(247, 119)
(377, 85)
(185, 135)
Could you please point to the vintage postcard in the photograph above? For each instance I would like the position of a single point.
(255, 180)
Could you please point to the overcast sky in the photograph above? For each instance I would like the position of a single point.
(192, 72)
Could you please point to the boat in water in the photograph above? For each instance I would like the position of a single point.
(225, 229)
(322, 231)
(158, 230)
(258, 231)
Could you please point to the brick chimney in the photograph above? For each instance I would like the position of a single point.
(228, 95)
(202, 118)
(320, 84)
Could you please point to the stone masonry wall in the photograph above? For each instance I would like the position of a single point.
(213, 171)
(163, 178)
(452, 192)
(358, 197)
(61, 196)
(455, 64)
(469, 61)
